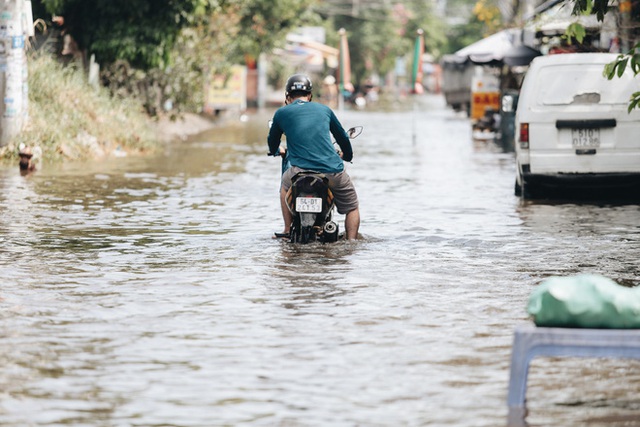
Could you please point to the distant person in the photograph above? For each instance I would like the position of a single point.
(330, 91)
(69, 50)
(308, 127)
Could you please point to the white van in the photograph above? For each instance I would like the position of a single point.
(572, 126)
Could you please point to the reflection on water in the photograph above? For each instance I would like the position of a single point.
(148, 290)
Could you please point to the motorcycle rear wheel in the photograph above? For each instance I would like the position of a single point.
(307, 234)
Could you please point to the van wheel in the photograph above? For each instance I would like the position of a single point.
(527, 192)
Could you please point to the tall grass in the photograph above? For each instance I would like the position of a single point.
(68, 118)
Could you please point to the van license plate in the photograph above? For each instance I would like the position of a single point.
(585, 138)
(309, 204)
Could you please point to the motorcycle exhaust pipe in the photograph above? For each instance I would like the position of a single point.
(330, 232)
(330, 227)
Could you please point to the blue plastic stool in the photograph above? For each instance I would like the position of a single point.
(530, 341)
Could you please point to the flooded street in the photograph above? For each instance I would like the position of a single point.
(147, 291)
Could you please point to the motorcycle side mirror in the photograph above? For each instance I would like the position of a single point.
(354, 132)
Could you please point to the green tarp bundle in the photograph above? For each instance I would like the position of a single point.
(585, 301)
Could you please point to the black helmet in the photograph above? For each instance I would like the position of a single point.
(298, 83)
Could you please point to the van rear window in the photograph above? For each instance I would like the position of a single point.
(583, 84)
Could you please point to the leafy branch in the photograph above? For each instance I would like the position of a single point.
(590, 7)
(617, 67)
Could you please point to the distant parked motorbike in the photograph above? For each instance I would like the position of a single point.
(310, 200)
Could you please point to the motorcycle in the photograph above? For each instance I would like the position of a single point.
(310, 200)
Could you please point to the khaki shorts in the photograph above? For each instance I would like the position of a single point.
(344, 193)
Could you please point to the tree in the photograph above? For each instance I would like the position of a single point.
(163, 50)
(379, 31)
(466, 27)
(142, 32)
(489, 14)
(374, 40)
(234, 35)
(264, 23)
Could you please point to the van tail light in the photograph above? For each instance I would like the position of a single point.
(524, 135)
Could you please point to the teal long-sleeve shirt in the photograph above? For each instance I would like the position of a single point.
(308, 127)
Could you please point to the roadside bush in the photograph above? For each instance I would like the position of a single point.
(68, 118)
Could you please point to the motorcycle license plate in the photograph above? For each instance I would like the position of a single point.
(309, 204)
(585, 138)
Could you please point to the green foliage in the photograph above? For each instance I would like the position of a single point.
(634, 101)
(159, 50)
(597, 7)
(489, 14)
(617, 68)
(635, 60)
(264, 23)
(145, 32)
(373, 42)
(70, 119)
(575, 30)
(164, 50)
(379, 35)
(199, 51)
(141, 32)
(632, 59)
(423, 17)
(474, 29)
(461, 36)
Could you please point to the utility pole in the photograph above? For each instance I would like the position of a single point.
(16, 24)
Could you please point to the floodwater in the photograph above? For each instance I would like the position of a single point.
(147, 291)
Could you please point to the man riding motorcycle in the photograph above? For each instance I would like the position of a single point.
(308, 127)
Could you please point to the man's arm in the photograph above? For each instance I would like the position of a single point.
(273, 140)
(341, 137)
